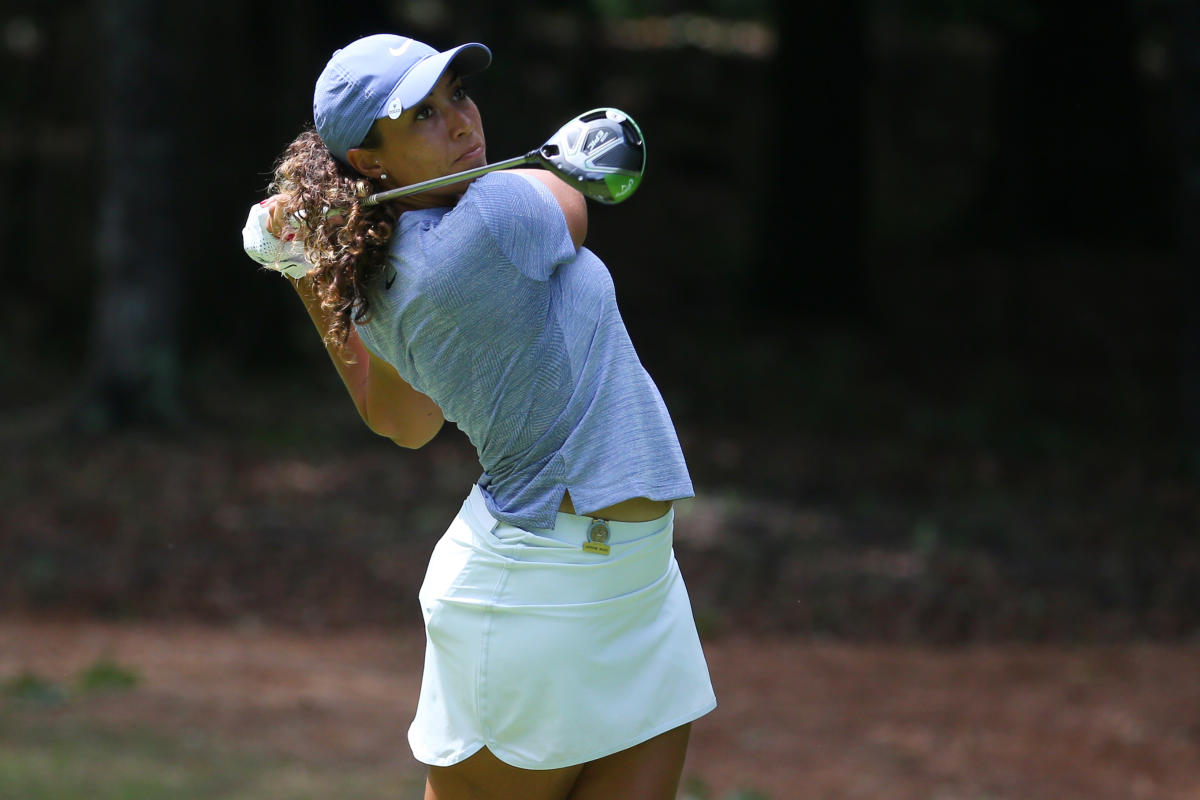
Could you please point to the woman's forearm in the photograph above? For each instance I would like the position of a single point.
(350, 361)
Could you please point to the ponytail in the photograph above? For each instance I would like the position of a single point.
(346, 241)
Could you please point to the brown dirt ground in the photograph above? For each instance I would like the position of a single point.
(797, 719)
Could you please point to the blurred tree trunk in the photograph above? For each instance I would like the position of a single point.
(812, 262)
(133, 370)
(1186, 71)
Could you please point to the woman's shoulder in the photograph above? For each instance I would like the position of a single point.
(504, 199)
(505, 187)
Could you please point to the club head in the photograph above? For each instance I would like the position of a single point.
(601, 153)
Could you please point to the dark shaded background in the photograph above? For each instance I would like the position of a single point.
(917, 279)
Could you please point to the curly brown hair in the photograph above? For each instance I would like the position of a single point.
(346, 241)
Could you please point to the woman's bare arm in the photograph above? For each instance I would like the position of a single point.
(386, 402)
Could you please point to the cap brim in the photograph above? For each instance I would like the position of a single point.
(419, 81)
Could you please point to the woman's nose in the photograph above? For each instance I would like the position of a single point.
(460, 123)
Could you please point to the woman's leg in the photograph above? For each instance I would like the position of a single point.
(485, 777)
(648, 771)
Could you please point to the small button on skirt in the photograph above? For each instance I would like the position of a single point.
(549, 653)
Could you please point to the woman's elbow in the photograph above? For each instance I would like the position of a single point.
(416, 436)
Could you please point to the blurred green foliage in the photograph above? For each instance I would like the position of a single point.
(29, 687)
(105, 676)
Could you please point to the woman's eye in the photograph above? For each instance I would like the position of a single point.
(423, 112)
(460, 93)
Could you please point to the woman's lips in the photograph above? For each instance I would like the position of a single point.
(475, 153)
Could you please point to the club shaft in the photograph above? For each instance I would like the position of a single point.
(446, 180)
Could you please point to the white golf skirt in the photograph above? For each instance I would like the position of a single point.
(549, 654)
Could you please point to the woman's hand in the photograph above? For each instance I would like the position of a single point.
(268, 240)
(282, 227)
(277, 222)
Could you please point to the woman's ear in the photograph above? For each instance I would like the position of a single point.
(365, 162)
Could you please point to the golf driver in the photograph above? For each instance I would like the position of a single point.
(601, 153)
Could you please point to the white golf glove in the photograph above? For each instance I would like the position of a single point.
(286, 257)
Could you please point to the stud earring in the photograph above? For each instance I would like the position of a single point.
(383, 176)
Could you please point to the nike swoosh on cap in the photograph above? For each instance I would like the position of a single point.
(399, 51)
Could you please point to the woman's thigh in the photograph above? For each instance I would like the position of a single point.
(485, 777)
(648, 771)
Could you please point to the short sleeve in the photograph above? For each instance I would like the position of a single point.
(524, 220)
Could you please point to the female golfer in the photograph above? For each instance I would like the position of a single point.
(562, 658)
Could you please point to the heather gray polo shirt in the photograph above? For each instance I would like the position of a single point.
(516, 336)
